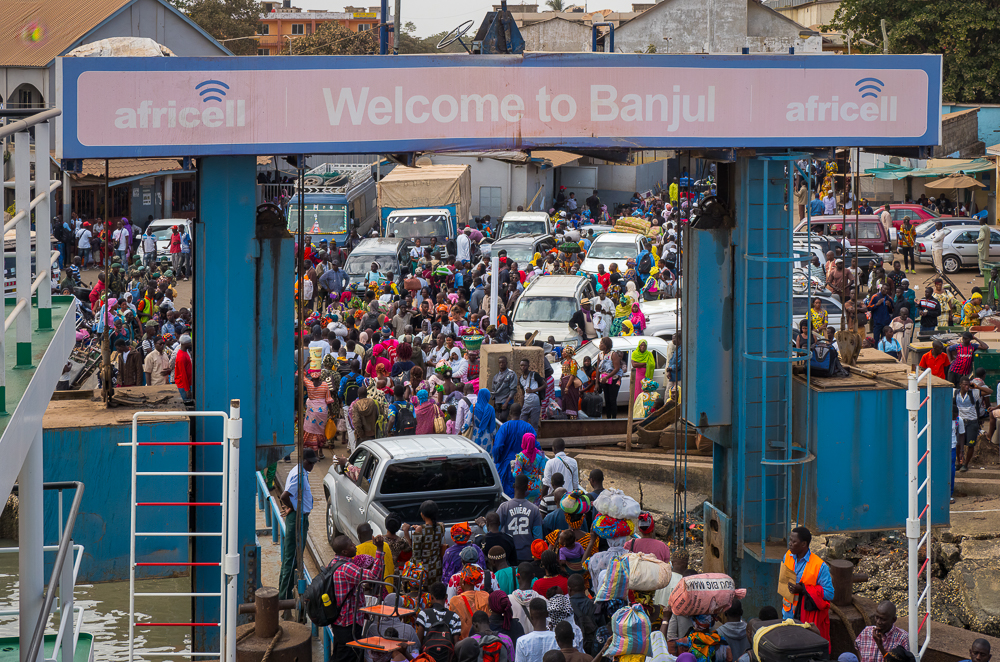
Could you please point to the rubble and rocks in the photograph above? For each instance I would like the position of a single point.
(976, 585)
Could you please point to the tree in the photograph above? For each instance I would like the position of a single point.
(965, 32)
(332, 38)
(555, 5)
(227, 19)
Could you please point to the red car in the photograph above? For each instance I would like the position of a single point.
(917, 213)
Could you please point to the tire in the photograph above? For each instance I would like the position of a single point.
(951, 263)
(331, 522)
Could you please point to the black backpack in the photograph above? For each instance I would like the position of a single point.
(645, 263)
(406, 419)
(320, 599)
(351, 390)
(437, 637)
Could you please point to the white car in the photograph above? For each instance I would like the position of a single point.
(660, 348)
(161, 229)
(546, 306)
(614, 248)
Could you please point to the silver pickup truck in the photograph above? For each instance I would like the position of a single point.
(397, 474)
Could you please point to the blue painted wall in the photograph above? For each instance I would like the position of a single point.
(243, 349)
(859, 479)
(103, 525)
(989, 120)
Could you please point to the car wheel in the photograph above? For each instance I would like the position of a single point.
(952, 264)
(331, 522)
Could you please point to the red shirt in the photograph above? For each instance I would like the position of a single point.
(938, 366)
(175, 242)
(182, 370)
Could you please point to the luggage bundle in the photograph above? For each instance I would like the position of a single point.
(787, 641)
(704, 594)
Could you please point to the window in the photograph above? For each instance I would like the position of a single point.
(369, 473)
(995, 237)
(964, 238)
(263, 51)
(432, 475)
(298, 28)
(265, 28)
(357, 461)
(364, 27)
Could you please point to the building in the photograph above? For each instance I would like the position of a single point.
(557, 35)
(525, 15)
(810, 13)
(724, 26)
(281, 25)
(33, 34)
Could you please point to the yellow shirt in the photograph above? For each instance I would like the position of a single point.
(369, 548)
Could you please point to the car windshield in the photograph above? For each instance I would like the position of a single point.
(546, 309)
(925, 228)
(320, 219)
(359, 265)
(520, 254)
(453, 474)
(418, 225)
(163, 234)
(517, 227)
(612, 250)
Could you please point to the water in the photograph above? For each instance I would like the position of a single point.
(106, 615)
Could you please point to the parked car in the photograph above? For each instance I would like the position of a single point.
(546, 305)
(614, 248)
(871, 233)
(162, 229)
(960, 248)
(386, 252)
(661, 349)
(527, 222)
(927, 227)
(598, 230)
(521, 248)
(831, 304)
(662, 318)
(917, 213)
(397, 474)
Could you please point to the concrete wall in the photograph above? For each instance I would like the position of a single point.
(149, 18)
(518, 182)
(960, 135)
(617, 183)
(815, 13)
(557, 35)
(683, 26)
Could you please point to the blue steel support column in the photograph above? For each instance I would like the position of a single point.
(243, 330)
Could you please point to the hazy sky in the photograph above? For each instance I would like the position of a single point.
(432, 16)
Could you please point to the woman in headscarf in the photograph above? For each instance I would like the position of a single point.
(561, 609)
(627, 328)
(646, 399)
(644, 363)
(530, 462)
(570, 384)
(484, 420)
(638, 319)
(426, 411)
(378, 359)
(459, 365)
(461, 535)
(631, 293)
(623, 313)
(318, 398)
(502, 619)
(469, 601)
(385, 626)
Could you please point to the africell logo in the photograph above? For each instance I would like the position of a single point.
(228, 113)
(834, 110)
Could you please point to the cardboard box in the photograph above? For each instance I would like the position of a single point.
(489, 365)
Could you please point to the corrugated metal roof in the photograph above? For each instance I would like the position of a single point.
(557, 158)
(120, 168)
(59, 24)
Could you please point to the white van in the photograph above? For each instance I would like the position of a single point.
(546, 306)
(525, 222)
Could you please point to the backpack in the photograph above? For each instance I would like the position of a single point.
(437, 643)
(406, 420)
(492, 648)
(351, 390)
(645, 263)
(821, 360)
(320, 599)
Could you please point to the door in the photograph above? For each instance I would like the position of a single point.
(581, 180)
(491, 201)
(351, 495)
(994, 246)
(964, 244)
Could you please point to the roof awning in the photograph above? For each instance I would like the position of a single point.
(890, 171)
(556, 158)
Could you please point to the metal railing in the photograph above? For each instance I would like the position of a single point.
(913, 521)
(273, 519)
(63, 578)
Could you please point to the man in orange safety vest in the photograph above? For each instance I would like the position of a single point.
(812, 591)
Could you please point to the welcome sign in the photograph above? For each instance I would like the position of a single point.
(142, 107)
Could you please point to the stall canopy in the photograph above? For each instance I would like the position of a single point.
(890, 171)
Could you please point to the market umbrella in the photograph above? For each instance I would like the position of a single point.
(955, 181)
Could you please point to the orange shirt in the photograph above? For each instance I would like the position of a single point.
(938, 365)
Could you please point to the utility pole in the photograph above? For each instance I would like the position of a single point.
(397, 27)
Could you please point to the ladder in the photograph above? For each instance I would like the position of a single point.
(227, 533)
(919, 517)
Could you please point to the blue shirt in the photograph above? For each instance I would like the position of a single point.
(816, 207)
(292, 487)
(823, 580)
(343, 383)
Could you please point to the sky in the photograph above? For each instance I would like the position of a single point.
(433, 16)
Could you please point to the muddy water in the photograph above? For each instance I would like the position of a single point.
(106, 615)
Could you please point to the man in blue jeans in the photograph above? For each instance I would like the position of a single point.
(289, 502)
